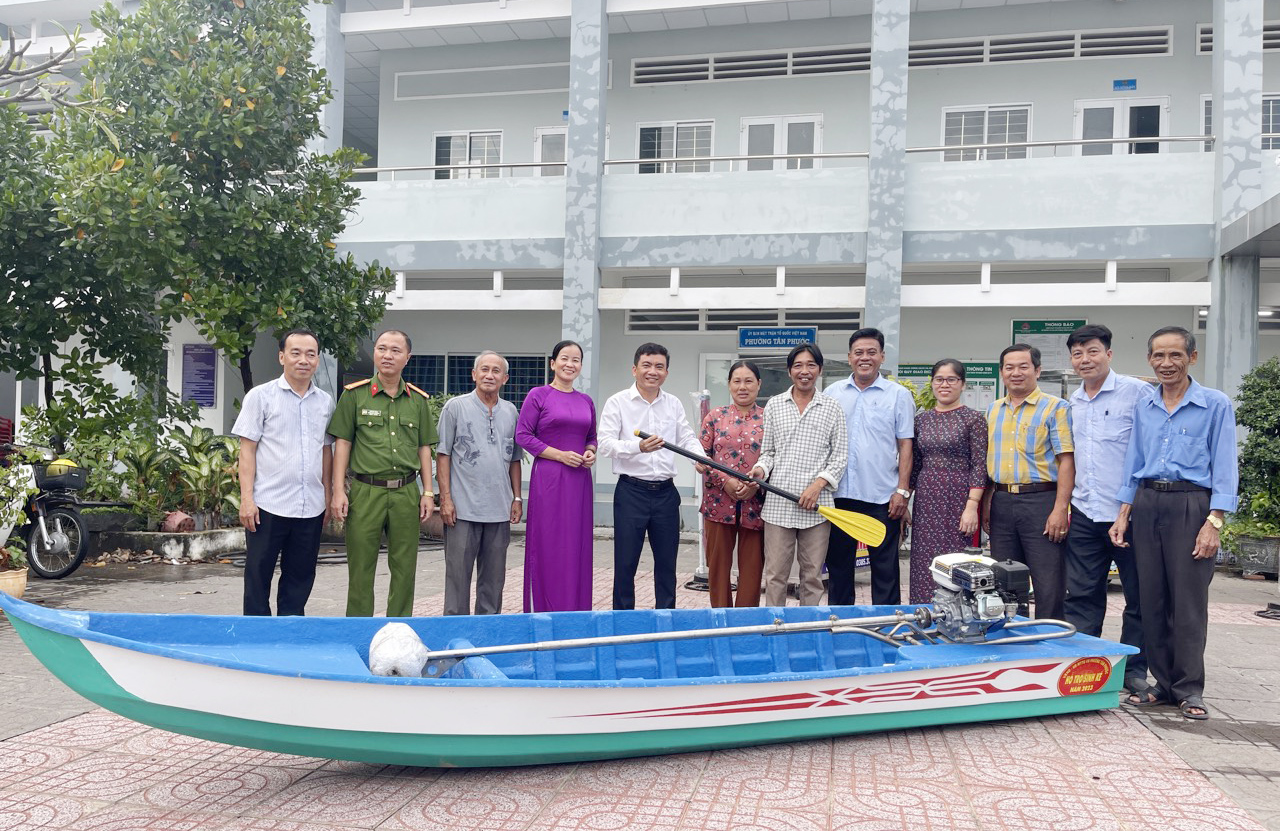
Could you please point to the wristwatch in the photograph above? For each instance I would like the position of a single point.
(903, 492)
(1214, 521)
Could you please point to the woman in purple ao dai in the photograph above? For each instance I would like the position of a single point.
(558, 426)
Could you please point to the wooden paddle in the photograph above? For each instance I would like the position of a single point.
(863, 528)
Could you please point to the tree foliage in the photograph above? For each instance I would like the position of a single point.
(1258, 408)
(66, 319)
(213, 190)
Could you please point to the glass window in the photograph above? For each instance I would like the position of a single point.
(670, 141)
(451, 375)
(527, 372)
(1006, 126)
(551, 148)
(459, 372)
(469, 148)
(426, 372)
(781, 136)
(1207, 102)
(987, 125)
(760, 143)
(1144, 121)
(1099, 123)
(1271, 123)
(801, 138)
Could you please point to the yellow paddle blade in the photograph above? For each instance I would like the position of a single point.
(863, 528)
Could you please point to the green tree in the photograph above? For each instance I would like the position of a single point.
(213, 190)
(66, 321)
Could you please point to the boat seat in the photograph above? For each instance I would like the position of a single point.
(476, 666)
(291, 658)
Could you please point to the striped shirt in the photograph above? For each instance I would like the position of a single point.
(1024, 441)
(798, 448)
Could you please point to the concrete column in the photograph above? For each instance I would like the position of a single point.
(1232, 326)
(887, 171)
(584, 152)
(329, 52)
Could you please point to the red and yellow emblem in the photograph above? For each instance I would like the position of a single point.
(1087, 675)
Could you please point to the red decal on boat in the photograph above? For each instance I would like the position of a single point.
(981, 682)
(1087, 675)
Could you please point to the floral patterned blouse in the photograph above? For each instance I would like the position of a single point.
(732, 439)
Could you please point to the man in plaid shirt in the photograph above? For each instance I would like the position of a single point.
(805, 449)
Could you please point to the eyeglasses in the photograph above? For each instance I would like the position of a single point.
(947, 382)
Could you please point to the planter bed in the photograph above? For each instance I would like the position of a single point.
(194, 545)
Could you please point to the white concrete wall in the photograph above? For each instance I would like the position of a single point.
(1051, 87)
(228, 377)
(1097, 191)
(453, 209)
(756, 202)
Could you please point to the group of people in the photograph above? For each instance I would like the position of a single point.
(1124, 471)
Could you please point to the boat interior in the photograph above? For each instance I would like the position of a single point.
(339, 646)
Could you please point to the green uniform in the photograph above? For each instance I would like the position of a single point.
(385, 430)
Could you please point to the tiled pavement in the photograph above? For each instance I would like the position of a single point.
(1108, 770)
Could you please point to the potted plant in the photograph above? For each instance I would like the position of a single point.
(15, 485)
(13, 570)
(1253, 531)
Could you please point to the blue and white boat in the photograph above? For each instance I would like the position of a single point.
(516, 690)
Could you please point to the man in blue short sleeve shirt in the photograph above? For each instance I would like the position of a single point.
(880, 421)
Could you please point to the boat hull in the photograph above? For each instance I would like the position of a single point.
(476, 723)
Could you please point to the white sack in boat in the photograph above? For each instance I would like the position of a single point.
(397, 650)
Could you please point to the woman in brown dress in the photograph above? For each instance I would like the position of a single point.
(949, 474)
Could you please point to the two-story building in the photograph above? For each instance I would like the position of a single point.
(959, 173)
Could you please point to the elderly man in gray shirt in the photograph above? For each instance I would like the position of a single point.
(285, 461)
(478, 471)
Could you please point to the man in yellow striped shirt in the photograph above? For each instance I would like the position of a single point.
(1030, 459)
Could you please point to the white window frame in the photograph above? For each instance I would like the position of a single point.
(780, 124)
(1270, 141)
(539, 133)
(1120, 119)
(986, 110)
(482, 173)
(1206, 119)
(685, 122)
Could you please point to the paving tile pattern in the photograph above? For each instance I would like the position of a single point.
(1067, 773)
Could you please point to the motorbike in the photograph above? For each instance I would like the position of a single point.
(54, 533)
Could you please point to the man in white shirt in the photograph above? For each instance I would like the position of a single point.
(284, 466)
(645, 499)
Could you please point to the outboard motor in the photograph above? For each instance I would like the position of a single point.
(976, 594)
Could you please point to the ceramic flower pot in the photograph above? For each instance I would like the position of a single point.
(13, 582)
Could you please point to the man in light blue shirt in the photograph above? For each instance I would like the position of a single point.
(1180, 477)
(880, 417)
(1101, 425)
(285, 463)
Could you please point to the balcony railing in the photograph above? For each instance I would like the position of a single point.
(706, 164)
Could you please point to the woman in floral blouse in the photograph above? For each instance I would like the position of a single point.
(731, 507)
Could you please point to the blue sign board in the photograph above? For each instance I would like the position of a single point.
(1124, 85)
(775, 337)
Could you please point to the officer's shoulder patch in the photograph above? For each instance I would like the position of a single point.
(417, 390)
(356, 384)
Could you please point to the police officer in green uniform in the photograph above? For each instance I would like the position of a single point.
(384, 432)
